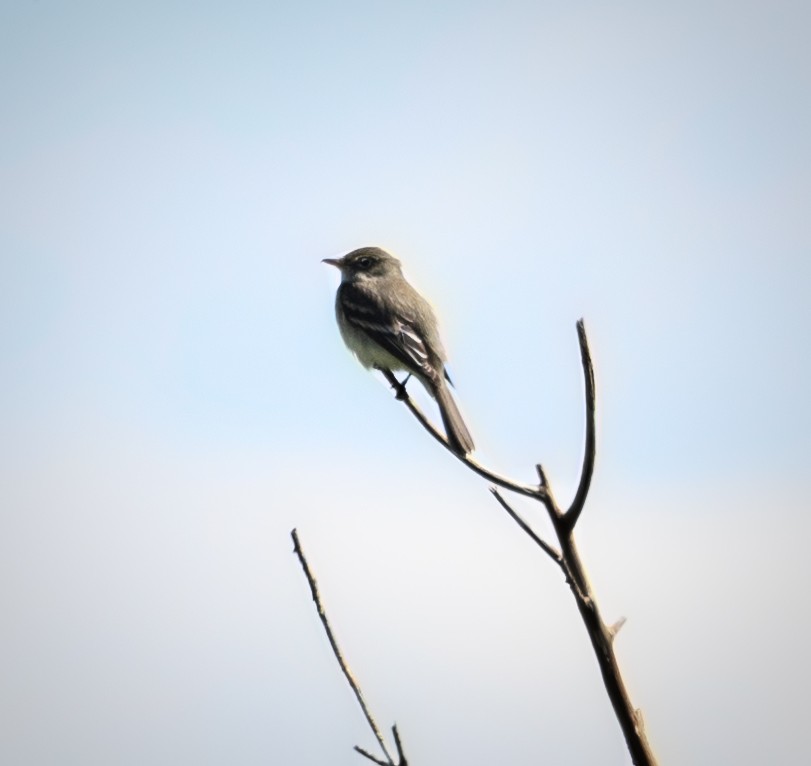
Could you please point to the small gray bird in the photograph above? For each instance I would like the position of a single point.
(388, 325)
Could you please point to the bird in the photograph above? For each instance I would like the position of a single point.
(389, 326)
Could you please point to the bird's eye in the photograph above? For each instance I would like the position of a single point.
(365, 262)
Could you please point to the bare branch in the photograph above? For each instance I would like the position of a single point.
(550, 551)
(589, 451)
(399, 744)
(513, 486)
(337, 652)
(372, 758)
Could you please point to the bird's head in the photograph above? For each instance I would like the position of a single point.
(364, 263)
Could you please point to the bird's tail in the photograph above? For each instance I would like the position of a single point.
(458, 436)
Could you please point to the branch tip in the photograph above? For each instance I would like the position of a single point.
(589, 451)
(398, 743)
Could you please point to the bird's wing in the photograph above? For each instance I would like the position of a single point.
(392, 331)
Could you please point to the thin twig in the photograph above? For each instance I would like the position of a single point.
(372, 758)
(550, 551)
(399, 744)
(513, 486)
(576, 508)
(337, 652)
(401, 759)
(546, 496)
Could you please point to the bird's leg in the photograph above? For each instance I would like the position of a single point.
(400, 388)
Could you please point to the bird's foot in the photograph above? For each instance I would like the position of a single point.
(400, 392)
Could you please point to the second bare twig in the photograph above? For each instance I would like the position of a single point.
(343, 663)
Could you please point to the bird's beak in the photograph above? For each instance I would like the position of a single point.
(337, 262)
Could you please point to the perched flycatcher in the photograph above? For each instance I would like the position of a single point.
(388, 325)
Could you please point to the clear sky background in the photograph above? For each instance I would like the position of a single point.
(175, 398)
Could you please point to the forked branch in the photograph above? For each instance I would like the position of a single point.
(401, 759)
(567, 556)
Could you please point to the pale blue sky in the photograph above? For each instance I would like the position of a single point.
(175, 396)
